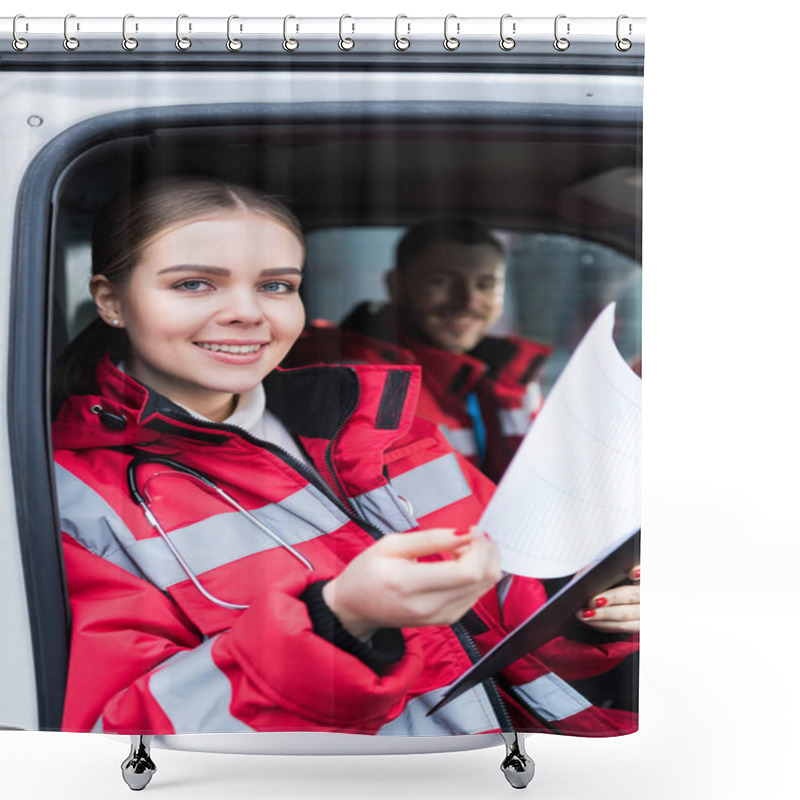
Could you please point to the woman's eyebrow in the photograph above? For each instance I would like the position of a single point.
(268, 273)
(224, 271)
(195, 268)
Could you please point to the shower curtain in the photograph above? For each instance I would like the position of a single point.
(468, 193)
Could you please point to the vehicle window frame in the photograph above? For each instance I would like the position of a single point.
(31, 323)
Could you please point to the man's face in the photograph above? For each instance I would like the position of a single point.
(451, 294)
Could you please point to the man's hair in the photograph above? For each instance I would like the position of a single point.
(461, 230)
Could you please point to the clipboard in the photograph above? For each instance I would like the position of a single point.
(609, 569)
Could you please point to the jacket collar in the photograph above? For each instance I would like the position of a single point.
(504, 359)
(345, 417)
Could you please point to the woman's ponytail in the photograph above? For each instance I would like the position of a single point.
(74, 370)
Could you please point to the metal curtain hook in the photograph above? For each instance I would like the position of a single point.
(561, 43)
(128, 42)
(19, 44)
(507, 42)
(233, 44)
(289, 43)
(181, 41)
(623, 44)
(400, 42)
(450, 42)
(345, 43)
(70, 42)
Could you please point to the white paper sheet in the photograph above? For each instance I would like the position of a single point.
(574, 486)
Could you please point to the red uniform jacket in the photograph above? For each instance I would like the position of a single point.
(502, 372)
(151, 654)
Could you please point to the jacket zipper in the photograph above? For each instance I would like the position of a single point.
(329, 448)
(522, 700)
(490, 684)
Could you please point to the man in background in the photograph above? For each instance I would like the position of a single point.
(446, 293)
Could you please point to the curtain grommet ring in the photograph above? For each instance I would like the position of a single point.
(181, 42)
(507, 42)
(623, 44)
(233, 44)
(450, 42)
(345, 42)
(401, 42)
(128, 42)
(18, 43)
(70, 42)
(561, 43)
(289, 44)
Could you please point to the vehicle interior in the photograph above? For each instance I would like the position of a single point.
(566, 208)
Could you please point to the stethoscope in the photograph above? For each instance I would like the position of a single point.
(139, 499)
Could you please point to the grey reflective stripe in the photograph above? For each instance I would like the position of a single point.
(503, 588)
(533, 397)
(98, 726)
(384, 508)
(229, 536)
(552, 698)
(91, 521)
(471, 712)
(462, 440)
(433, 485)
(514, 422)
(195, 694)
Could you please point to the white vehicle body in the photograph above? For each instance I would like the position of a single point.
(53, 121)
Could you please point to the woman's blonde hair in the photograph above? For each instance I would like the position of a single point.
(128, 223)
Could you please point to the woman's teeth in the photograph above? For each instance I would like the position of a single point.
(231, 348)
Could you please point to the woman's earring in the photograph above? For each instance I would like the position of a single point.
(115, 322)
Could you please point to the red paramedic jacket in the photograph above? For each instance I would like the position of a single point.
(151, 655)
(503, 372)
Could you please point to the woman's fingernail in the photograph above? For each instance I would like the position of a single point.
(600, 602)
(588, 612)
(462, 531)
(638, 574)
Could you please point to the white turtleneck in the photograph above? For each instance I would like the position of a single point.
(252, 415)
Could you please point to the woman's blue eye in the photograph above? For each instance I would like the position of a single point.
(192, 284)
(277, 287)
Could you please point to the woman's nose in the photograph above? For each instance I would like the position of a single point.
(241, 307)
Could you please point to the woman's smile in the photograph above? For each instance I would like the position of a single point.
(231, 347)
(234, 353)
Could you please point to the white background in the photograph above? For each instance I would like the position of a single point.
(719, 686)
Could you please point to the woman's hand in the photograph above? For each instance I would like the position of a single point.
(386, 587)
(616, 610)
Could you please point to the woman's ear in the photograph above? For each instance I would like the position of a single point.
(106, 301)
